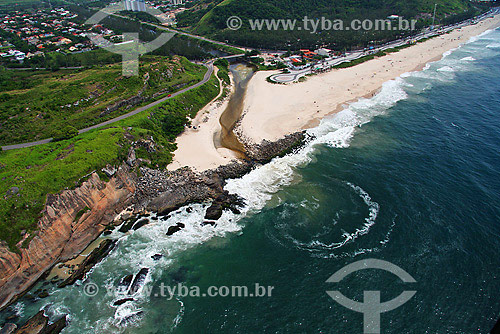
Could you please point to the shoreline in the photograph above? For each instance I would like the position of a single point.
(201, 139)
(272, 111)
(256, 124)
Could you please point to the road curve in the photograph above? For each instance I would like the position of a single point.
(208, 74)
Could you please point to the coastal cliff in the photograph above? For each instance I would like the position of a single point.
(72, 219)
(69, 222)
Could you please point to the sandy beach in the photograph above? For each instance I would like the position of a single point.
(195, 146)
(272, 111)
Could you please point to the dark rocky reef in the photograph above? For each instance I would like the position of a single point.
(267, 150)
(38, 324)
(224, 201)
(90, 261)
(138, 281)
(176, 228)
(163, 191)
(122, 301)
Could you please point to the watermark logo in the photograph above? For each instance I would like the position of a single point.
(90, 289)
(317, 25)
(234, 23)
(131, 48)
(371, 307)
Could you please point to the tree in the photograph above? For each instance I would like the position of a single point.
(173, 124)
(65, 133)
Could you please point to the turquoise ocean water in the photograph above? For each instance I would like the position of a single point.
(410, 176)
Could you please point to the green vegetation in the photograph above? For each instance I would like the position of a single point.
(10, 5)
(67, 132)
(41, 104)
(223, 72)
(209, 18)
(80, 213)
(28, 175)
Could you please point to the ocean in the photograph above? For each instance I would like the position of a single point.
(410, 176)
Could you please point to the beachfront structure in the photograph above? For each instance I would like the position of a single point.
(323, 52)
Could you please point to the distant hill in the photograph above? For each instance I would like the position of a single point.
(209, 18)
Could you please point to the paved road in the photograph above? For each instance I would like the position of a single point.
(294, 75)
(180, 32)
(210, 70)
(282, 77)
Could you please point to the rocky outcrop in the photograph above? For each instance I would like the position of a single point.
(138, 281)
(90, 261)
(74, 218)
(224, 201)
(39, 324)
(61, 234)
(267, 150)
(175, 228)
(36, 324)
(171, 190)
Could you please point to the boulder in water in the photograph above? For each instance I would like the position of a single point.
(224, 201)
(39, 324)
(176, 228)
(122, 301)
(156, 257)
(138, 281)
(140, 223)
(125, 282)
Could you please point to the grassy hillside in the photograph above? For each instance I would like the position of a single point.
(35, 105)
(28, 175)
(209, 18)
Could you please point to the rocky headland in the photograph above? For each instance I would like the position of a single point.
(74, 218)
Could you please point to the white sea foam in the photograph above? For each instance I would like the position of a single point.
(468, 59)
(373, 209)
(447, 53)
(445, 69)
(480, 36)
(257, 188)
(19, 309)
(180, 315)
(493, 46)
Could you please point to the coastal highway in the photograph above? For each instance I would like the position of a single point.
(180, 32)
(294, 75)
(208, 74)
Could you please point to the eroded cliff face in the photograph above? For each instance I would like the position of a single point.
(60, 235)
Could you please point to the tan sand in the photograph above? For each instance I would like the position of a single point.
(271, 111)
(195, 147)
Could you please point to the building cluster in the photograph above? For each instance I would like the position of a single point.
(25, 34)
(42, 31)
(305, 57)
